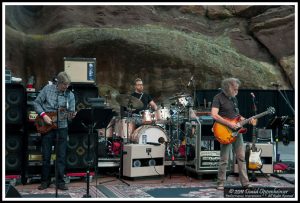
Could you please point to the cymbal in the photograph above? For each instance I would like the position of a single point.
(179, 96)
(129, 101)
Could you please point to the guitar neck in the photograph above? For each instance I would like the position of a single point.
(253, 117)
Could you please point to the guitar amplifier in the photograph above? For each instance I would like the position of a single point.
(81, 70)
(143, 160)
(267, 157)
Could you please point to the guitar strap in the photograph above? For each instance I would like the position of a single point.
(141, 96)
(235, 104)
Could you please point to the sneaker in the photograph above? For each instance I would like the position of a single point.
(248, 186)
(62, 187)
(43, 186)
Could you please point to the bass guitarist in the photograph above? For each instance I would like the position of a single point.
(55, 98)
(224, 108)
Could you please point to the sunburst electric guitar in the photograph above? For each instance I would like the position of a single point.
(226, 135)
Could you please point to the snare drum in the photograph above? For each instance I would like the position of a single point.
(147, 117)
(154, 134)
(162, 115)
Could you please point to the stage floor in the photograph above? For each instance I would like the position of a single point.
(175, 183)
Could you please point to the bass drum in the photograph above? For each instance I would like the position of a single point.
(154, 134)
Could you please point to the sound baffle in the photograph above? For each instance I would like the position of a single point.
(11, 191)
(143, 160)
(15, 105)
(267, 157)
(77, 151)
(14, 153)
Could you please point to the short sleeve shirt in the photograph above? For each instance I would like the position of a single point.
(228, 107)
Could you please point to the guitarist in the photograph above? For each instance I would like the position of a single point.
(225, 105)
(55, 98)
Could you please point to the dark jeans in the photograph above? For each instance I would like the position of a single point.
(48, 140)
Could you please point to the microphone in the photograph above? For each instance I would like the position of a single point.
(253, 99)
(190, 80)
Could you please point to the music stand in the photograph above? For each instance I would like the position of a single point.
(95, 117)
(276, 123)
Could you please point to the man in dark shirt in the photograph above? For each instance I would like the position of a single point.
(144, 97)
(225, 105)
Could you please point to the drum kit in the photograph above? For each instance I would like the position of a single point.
(150, 126)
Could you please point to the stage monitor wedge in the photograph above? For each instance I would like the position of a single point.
(81, 70)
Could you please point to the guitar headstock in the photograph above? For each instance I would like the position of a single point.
(271, 110)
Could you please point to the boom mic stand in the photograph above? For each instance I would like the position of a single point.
(285, 99)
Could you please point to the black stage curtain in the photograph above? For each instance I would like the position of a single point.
(264, 99)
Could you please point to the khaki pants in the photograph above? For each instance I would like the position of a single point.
(238, 148)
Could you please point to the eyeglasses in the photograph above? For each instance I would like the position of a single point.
(65, 84)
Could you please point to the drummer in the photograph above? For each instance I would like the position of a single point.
(142, 96)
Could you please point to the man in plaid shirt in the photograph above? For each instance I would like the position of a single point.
(55, 98)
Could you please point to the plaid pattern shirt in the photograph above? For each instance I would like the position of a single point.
(50, 99)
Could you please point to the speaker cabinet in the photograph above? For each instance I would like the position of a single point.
(11, 191)
(203, 151)
(143, 160)
(267, 157)
(77, 151)
(15, 103)
(82, 92)
(81, 70)
(14, 153)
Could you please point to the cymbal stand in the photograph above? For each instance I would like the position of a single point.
(122, 145)
(171, 145)
(172, 141)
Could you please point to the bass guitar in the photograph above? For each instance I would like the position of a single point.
(43, 127)
(226, 135)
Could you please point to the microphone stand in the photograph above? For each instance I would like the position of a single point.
(194, 90)
(253, 147)
(56, 148)
(286, 100)
(90, 128)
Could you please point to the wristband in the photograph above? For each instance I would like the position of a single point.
(43, 114)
